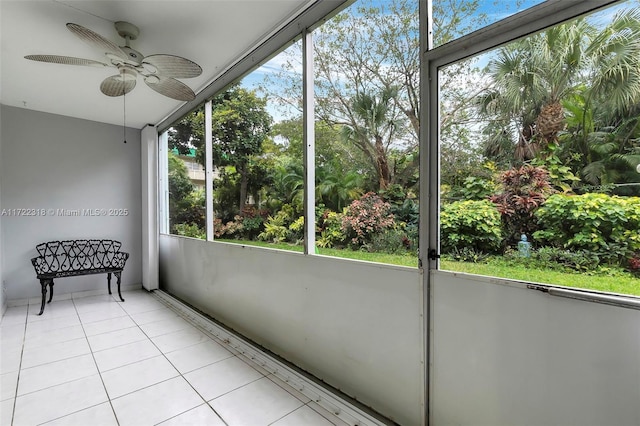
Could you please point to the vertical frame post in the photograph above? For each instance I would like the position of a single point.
(163, 183)
(208, 167)
(150, 234)
(429, 189)
(308, 133)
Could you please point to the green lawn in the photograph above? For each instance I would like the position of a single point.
(616, 282)
(392, 259)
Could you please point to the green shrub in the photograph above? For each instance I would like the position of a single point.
(467, 254)
(276, 228)
(283, 226)
(296, 230)
(189, 230)
(580, 260)
(472, 223)
(330, 228)
(251, 227)
(477, 188)
(607, 226)
(391, 241)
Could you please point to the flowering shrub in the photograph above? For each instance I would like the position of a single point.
(245, 226)
(634, 264)
(233, 228)
(366, 217)
(524, 190)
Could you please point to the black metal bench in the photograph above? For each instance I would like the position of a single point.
(59, 259)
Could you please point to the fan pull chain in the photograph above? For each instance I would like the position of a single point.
(124, 112)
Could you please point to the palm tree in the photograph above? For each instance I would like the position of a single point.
(336, 188)
(604, 114)
(615, 52)
(575, 77)
(373, 129)
(287, 184)
(531, 77)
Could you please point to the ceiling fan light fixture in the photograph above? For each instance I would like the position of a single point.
(127, 73)
(115, 59)
(151, 69)
(152, 79)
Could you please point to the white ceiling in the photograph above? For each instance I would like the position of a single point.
(212, 33)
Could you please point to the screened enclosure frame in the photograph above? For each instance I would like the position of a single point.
(527, 22)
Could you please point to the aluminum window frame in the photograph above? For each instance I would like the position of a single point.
(527, 22)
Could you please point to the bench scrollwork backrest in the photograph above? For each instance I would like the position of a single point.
(78, 255)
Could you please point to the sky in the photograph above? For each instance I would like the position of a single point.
(494, 10)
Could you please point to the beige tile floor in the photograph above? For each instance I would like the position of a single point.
(97, 361)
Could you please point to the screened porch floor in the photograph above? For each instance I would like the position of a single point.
(98, 361)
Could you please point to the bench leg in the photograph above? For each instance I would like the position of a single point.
(44, 284)
(109, 282)
(50, 291)
(118, 274)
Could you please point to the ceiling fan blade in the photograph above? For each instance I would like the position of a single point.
(173, 66)
(96, 40)
(170, 87)
(65, 60)
(116, 86)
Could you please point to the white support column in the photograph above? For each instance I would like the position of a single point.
(150, 234)
(163, 182)
(208, 167)
(429, 192)
(309, 144)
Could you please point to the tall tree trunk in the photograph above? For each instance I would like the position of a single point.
(384, 176)
(244, 181)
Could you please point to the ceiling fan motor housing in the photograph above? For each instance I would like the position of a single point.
(135, 57)
(127, 30)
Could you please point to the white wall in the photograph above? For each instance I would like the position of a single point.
(3, 301)
(505, 355)
(357, 326)
(54, 162)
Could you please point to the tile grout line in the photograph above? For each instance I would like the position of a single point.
(24, 337)
(96, 363)
(169, 361)
(304, 404)
(20, 369)
(292, 411)
(215, 340)
(183, 378)
(246, 358)
(235, 354)
(326, 399)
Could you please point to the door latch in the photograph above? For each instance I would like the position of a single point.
(433, 254)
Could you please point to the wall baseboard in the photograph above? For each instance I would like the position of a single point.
(74, 295)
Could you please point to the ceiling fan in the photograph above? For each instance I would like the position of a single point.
(158, 71)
